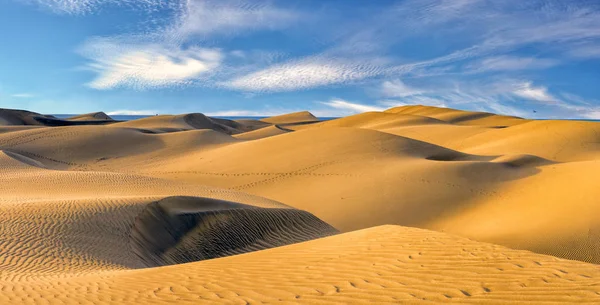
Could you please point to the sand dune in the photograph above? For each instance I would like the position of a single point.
(18, 117)
(192, 209)
(292, 118)
(459, 117)
(91, 116)
(382, 265)
(181, 122)
(264, 132)
(179, 230)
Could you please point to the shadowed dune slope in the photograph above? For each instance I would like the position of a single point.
(19, 117)
(381, 265)
(178, 230)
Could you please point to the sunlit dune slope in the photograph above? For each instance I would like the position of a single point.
(488, 135)
(381, 265)
(262, 133)
(291, 118)
(460, 117)
(179, 123)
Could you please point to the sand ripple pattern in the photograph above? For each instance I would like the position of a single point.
(381, 265)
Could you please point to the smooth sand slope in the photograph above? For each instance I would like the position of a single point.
(190, 208)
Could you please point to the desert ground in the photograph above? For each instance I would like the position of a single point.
(412, 204)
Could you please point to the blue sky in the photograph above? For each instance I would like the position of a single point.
(334, 58)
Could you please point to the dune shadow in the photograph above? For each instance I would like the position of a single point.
(183, 229)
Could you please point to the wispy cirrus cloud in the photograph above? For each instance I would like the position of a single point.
(507, 96)
(490, 29)
(347, 107)
(210, 17)
(530, 92)
(585, 51)
(334, 107)
(397, 88)
(302, 74)
(132, 112)
(23, 95)
(78, 7)
(172, 56)
(143, 66)
(592, 115)
(459, 41)
(511, 63)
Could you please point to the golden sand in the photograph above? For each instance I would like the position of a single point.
(411, 204)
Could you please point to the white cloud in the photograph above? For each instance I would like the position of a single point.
(76, 7)
(208, 17)
(302, 74)
(511, 63)
(392, 103)
(23, 95)
(132, 112)
(585, 51)
(423, 14)
(592, 115)
(416, 100)
(528, 91)
(349, 107)
(397, 88)
(144, 66)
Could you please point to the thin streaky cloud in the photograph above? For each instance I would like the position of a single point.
(350, 107)
(23, 95)
(592, 115)
(133, 112)
(304, 74)
(511, 63)
(227, 17)
(397, 88)
(81, 7)
(587, 51)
